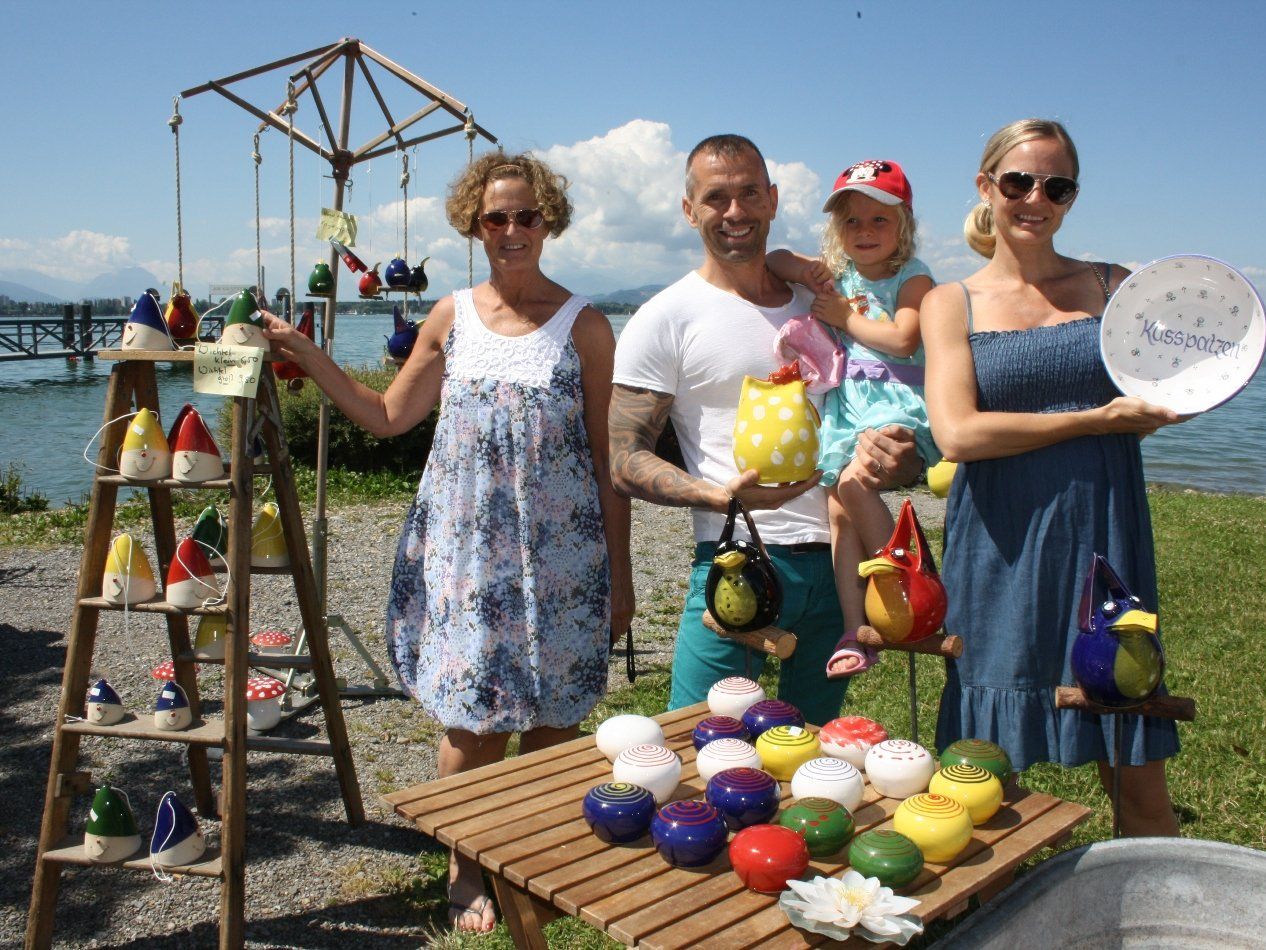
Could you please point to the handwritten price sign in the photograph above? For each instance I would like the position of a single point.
(227, 370)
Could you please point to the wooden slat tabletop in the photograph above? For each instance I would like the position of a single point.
(521, 818)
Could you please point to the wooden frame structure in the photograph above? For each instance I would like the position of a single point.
(133, 382)
(356, 58)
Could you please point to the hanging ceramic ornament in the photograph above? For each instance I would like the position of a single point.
(128, 578)
(194, 455)
(145, 455)
(370, 283)
(208, 644)
(244, 326)
(145, 328)
(276, 642)
(320, 281)
(171, 710)
(354, 263)
(263, 702)
(211, 534)
(400, 343)
(268, 545)
(293, 373)
(397, 274)
(110, 835)
(1117, 658)
(181, 317)
(177, 840)
(905, 599)
(417, 278)
(190, 579)
(105, 708)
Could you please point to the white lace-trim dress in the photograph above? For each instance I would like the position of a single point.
(500, 596)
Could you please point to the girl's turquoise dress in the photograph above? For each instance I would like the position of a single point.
(868, 397)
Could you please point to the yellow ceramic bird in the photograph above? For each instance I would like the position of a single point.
(905, 599)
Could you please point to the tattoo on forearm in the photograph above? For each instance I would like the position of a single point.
(637, 417)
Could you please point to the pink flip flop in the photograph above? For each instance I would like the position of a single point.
(866, 657)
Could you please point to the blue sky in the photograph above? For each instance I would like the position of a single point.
(1164, 100)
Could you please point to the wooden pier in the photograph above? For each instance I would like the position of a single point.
(71, 336)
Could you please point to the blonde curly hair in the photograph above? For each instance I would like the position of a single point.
(978, 228)
(833, 254)
(466, 192)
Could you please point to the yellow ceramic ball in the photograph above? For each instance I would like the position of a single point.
(940, 826)
(975, 789)
(783, 749)
(940, 476)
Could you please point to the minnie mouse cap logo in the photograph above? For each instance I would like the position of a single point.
(881, 180)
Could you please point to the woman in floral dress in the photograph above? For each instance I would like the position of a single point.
(512, 574)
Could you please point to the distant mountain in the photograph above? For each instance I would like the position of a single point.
(24, 294)
(124, 282)
(636, 296)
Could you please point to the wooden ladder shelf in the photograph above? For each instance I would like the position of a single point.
(133, 382)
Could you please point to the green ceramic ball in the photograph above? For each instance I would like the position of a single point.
(980, 752)
(825, 825)
(887, 855)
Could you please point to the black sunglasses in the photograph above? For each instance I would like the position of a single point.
(1058, 189)
(530, 218)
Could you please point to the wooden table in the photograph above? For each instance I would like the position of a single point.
(521, 819)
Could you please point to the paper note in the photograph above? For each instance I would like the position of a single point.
(227, 370)
(338, 225)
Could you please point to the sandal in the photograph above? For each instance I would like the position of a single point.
(849, 648)
(458, 911)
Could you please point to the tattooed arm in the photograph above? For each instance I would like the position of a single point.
(637, 417)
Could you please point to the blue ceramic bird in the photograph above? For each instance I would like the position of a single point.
(400, 343)
(1117, 658)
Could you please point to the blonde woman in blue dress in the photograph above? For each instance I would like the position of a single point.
(512, 574)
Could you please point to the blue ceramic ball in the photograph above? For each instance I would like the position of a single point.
(744, 797)
(719, 727)
(769, 713)
(689, 833)
(618, 812)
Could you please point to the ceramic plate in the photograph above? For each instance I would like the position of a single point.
(1184, 332)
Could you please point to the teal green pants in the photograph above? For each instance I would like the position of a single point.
(810, 610)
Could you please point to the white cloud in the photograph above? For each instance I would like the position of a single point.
(69, 257)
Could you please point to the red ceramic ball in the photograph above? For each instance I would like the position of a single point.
(766, 857)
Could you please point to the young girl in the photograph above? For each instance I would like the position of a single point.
(869, 286)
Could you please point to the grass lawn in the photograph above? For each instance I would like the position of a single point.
(1210, 549)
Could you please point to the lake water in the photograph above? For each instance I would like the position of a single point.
(49, 410)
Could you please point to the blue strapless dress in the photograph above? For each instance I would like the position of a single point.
(1019, 536)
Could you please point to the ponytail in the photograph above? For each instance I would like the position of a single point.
(978, 230)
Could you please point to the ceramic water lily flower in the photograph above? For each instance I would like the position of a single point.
(851, 905)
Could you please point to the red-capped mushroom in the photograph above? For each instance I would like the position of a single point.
(272, 638)
(264, 687)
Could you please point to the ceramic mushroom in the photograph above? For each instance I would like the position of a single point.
(276, 642)
(263, 702)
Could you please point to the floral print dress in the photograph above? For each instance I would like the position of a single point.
(500, 596)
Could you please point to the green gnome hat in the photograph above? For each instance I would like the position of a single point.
(245, 309)
(110, 816)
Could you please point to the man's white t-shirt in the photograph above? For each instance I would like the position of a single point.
(696, 342)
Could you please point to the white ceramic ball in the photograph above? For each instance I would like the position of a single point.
(653, 767)
(733, 695)
(623, 732)
(899, 768)
(726, 754)
(829, 778)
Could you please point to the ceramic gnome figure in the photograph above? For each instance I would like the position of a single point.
(190, 579)
(105, 708)
(128, 578)
(268, 546)
(177, 840)
(110, 835)
(195, 457)
(400, 343)
(145, 328)
(208, 643)
(244, 326)
(145, 456)
(172, 712)
(211, 533)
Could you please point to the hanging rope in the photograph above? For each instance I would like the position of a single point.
(289, 110)
(470, 160)
(174, 122)
(404, 186)
(259, 268)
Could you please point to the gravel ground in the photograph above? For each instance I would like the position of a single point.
(311, 880)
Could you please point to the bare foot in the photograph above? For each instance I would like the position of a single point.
(470, 908)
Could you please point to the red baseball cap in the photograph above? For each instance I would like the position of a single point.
(884, 181)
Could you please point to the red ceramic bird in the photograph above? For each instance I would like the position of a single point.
(284, 369)
(905, 599)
